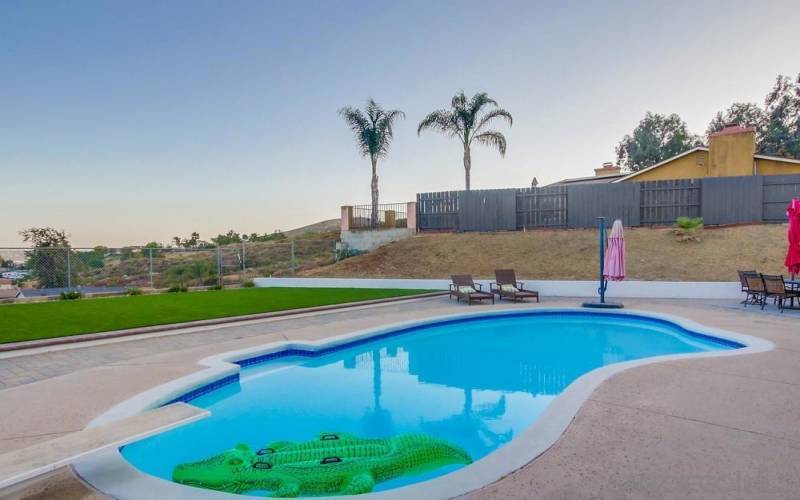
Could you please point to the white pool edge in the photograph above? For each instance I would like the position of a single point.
(112, 474)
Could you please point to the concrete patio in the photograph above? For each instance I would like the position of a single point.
(710, 428)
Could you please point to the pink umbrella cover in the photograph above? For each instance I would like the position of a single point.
(615, 254)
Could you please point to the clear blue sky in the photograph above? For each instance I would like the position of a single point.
(126, 122)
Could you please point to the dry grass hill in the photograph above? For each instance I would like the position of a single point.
(652, 254)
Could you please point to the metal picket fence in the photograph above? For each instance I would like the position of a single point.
(51, 270)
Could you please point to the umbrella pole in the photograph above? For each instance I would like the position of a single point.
(603, 281)
(603, 284)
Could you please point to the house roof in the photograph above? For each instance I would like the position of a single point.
(685, 153)
(776, 158)
(603, 179)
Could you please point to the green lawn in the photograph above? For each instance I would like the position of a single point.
(62, 318)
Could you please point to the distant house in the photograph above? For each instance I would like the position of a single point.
(730, 153)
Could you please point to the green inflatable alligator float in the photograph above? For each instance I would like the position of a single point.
(336, 463)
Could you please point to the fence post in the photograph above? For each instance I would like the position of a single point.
(244, 263)
(219, 266)
(69, 269)
(151, 267)
(293, 263)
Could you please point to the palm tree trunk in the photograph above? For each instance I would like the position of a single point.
(467, 165)
(374, 221)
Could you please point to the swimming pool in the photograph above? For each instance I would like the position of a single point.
(476, 382)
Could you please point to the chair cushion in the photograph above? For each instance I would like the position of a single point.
(509, 288)
(466, 289)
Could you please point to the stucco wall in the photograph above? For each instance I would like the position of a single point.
(684, 167)
(773, 167)
(370, 240)
(621, 289)
(731, 155)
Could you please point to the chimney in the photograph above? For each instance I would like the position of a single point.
(608, 168)
(731, 151)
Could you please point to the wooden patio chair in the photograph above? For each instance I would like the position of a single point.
(507, 286)
(774, 286)
(749, 297)
(464, 287)
(755, 289)
(743, 279)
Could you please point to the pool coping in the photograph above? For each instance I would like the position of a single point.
(111, 473)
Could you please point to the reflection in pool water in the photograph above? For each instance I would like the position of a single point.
(476, 383)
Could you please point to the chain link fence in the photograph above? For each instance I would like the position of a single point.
(52, 270)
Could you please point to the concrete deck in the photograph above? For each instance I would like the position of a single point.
(710, 428)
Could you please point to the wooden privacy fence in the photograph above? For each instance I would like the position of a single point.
(722, 200)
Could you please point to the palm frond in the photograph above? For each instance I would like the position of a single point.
(491, 115)
(480, 100)
(492, 138)
(441, 120)
(374, 130)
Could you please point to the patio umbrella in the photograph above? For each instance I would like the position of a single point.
(792, 261)
(612, 264)
(615, 254)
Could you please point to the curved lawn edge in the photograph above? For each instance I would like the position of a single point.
(42, 321)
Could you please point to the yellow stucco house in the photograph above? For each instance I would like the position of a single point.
(731, 152)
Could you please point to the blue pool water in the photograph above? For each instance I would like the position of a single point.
(475, 382)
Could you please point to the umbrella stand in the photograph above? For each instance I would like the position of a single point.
(603, 281)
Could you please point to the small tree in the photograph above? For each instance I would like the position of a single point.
(374, 130)
(468, 119)
(655, 139)
(49, 256)
(782, 107)
(746, 114)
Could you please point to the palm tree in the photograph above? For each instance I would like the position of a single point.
(467, 119)
(373, 132)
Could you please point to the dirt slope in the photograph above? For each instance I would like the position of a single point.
(652, 254)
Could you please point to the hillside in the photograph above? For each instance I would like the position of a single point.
(326, 226)
(652, 254)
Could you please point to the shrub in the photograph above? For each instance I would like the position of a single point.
(346, 253)
(177, 289)
(71, 295)
(688, 227)
(215, 287)
(249, 284)
(133, 291)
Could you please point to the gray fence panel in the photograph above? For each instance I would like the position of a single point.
(542, 207)
(728, 200)
(778, 191)
(731, 200)
(585, 203)
(664, 201)
(487, 210)
(438, 211)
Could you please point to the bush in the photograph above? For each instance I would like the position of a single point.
(688, 227)
(71, 295)
(177, 289)
(133, 291)
(215, 287)
(249, 284)
(346, 253)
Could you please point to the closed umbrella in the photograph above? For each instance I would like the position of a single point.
(792, 261)
(612, 263)
(615, 254)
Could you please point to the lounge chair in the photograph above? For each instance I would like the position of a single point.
(508, 287)
(464, 287)
(774, 286)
